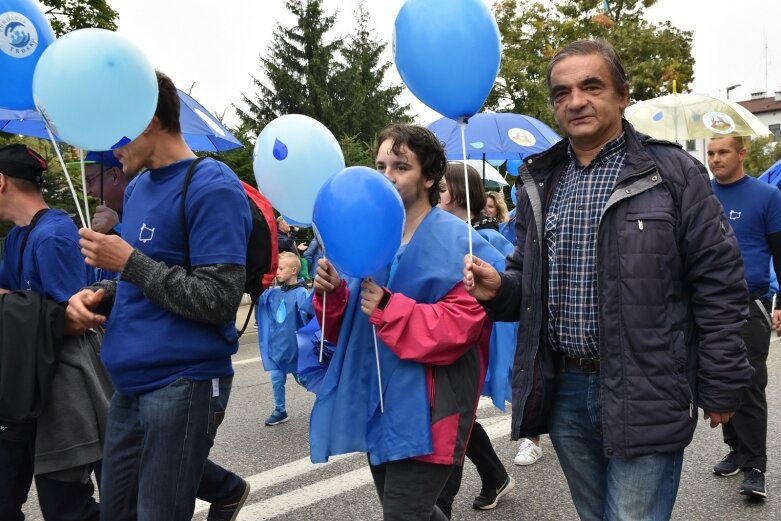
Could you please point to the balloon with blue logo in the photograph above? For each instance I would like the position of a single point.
(294, 155)
(25, 33)
(95, 89)
(448, 53)
(359, 219)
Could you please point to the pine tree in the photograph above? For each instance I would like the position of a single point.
(299, 70)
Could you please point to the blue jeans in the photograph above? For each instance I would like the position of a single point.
(641, 489)
(156, 450)
(278, 379)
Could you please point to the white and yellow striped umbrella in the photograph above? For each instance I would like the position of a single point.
(693, 116)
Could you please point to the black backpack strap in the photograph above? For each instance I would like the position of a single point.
(36, 218)
(185, 235)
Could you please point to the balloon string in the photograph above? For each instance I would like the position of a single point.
(322, 323)
(322, 329)
(84, 188)
(67, 177)
(379, 375)
(462, 124)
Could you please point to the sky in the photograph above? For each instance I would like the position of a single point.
(211, 47)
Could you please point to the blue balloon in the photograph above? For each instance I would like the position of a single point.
(513, 195)
(448, 53)
(293, 157)
(359, 220)
(24, 34)
(513, 165)
(95, 89)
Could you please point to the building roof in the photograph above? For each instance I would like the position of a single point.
(760, 105)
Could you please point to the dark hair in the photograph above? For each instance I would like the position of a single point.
(599, 47)
(454, 178)
(167, 104)
(426, 147)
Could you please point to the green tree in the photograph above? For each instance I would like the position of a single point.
(653, 54)
(69, 15)
(339, 82)
(299, 70)
(366, 105)
(762, 153)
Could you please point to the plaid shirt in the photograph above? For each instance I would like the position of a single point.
(571, 237)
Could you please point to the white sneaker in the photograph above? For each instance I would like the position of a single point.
(528, 453)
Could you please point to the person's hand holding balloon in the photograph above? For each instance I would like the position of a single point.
(327, 278)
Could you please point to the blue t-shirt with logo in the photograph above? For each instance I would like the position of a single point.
(147, 347)
(753, 209)
(52, 264)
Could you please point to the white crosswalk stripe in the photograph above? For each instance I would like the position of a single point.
(302, 497)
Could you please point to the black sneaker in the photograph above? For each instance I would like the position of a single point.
(229, 510)
(728, 466)
(489, 498)
(753, 483)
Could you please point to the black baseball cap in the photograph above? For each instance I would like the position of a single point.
(21, 162)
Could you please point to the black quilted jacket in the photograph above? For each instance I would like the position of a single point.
(672, 301)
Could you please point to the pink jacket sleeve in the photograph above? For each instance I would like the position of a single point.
(335, 304)
(437, 333)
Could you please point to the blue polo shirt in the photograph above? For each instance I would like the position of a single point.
(52, 264)
(148, 347)
(753, 209)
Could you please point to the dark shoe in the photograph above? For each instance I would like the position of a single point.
(277, 417)
(229, 510)
(728, 466)
(753, 483)
(489, 498)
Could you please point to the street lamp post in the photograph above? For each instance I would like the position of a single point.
(732, 87)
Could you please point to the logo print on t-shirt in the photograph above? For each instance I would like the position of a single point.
(733, 215)
(146, 233)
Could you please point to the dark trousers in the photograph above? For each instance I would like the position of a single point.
(408, 489)
(746, 433)
(481, 452)
(59, 500)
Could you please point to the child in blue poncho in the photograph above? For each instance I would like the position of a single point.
(282, 311)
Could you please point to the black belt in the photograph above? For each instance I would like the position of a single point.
(583, 365)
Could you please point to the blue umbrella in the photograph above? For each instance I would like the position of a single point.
(495, 136)
(772, 175)
(201, 130)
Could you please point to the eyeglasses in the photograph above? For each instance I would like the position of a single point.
(92, 178)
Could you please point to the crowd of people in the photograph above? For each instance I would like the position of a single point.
(627, 292)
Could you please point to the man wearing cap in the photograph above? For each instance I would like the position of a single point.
(107, 182)
(172, 332)
(41, 255)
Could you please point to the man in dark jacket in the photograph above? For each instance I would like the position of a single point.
(629, 285)
(42, 256)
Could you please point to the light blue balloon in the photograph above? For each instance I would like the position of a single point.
(495, 162)
(359, 220)
(448, 53)
(95, 89)
(24, 34)
(294, 155)
(513, 165)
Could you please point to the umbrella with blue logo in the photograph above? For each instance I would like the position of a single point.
(495, 136)
(201, 130)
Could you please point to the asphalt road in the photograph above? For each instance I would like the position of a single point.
(286, 486)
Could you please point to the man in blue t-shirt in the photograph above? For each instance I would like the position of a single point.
(41, 255)
(172, 331)
(754, 212)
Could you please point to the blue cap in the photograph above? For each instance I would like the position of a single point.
(109, 161)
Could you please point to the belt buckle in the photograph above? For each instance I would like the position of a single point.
(590, 365)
